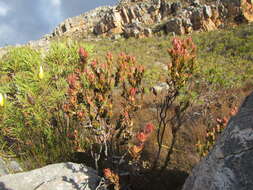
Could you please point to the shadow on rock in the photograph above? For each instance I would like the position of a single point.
(3, 187)
(92, 178)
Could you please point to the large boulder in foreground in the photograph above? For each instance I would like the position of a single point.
(229, 165)
(62, 176)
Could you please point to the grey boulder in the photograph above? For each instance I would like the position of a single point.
(229, 165)
(62, 176)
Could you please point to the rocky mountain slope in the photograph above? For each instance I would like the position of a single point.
(134, 18)
(140, 18)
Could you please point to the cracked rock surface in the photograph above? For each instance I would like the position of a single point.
(229, 165)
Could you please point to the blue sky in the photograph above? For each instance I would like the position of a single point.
(25, 20)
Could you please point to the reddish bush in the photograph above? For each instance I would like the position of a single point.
(91, 98)
(180, 70)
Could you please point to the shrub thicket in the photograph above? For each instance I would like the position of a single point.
(33, 87)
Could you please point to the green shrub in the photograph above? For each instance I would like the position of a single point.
(32, 103)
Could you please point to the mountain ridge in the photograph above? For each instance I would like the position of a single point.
(143, 18)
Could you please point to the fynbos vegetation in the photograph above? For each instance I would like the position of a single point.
(77, 103)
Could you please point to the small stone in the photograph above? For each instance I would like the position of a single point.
(159, 87)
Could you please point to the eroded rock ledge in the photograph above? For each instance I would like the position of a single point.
(137, 18)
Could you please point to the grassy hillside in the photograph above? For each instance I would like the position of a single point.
(32, 103)
(220, 54)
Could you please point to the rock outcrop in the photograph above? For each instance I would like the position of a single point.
(176, 17)
(229, 165)
(81, 24)
(63, 176)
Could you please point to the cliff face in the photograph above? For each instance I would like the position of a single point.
(136, 18)
(83, 23)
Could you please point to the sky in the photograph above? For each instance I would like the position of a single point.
(25, 20)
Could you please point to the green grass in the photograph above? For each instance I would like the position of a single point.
(224, 56)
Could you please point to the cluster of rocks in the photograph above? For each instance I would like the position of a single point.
(174, 16)
(83, 23)
(137, 18)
